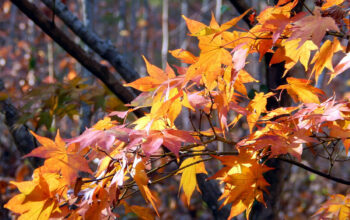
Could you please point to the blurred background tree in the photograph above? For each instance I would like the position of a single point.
(43, 87)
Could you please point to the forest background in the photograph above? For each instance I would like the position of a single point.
(43, 88)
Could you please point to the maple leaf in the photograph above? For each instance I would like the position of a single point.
(141, 179)
(188, 179)
(330, 3)
(279, 112)
(184, 56)
(199, 29)
(170, 138)
(279, 145)
(339, 132)
(256, 107)
(67, 161)
(291, 53)
(343, 65)
(37, 198)
(323, 58)
(242, 78)
(278, 22)
(156, 77)
(209, 65)
(301, 90)
(213, 41)
(196, 101)
(244, 182)
(165, 109)
(141, 212)
(336, 207)
(313, 27)
(96, 205)
(104, 124)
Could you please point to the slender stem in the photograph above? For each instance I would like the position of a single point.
(177, 170)
(170, 175)
(336, 179)
(307, 8)
(98, 179)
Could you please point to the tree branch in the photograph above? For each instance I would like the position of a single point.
(104, 48)
(336, 179)
(24, 141)
(97, 69)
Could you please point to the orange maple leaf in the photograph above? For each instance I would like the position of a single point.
(66, 161)
(37, 198)
(141, 179)
(156, 77)
(301, 90)
(244, 182)
(323, 58)
(330, 3)
(336, 207)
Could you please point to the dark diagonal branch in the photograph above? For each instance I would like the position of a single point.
(104, 48)
(97, 69)
(336, 179)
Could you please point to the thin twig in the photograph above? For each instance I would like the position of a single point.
(336, 179)
(307, 8)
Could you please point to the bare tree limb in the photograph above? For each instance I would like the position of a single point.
(104, 48)
(97, 69)
(24, 141)
(327, 176)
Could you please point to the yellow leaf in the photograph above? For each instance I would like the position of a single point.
(336, 207)
(301, 90)
(291, 53)
(188, 179)
(330, 3)
(256, 107)
(104, 124)
(323, 58)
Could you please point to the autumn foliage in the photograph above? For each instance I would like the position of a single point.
(212, 86)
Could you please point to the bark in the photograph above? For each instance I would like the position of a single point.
(99, 70)
(104, 48)
(24, 141)
(210, 195)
